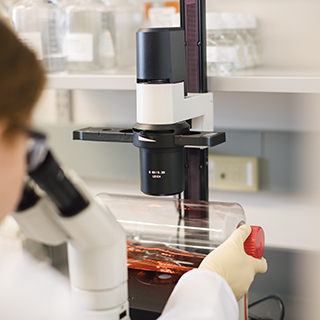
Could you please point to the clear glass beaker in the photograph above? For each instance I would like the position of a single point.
(235, 44)
(89, 36)
(128, 18)
(40, 25)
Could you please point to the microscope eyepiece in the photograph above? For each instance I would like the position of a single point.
(51, 178)
(29, 197)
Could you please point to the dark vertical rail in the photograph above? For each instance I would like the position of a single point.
(196, 174)
(202, 45)
(193, 21)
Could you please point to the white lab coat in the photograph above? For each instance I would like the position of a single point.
(201, 295)
(30, 290)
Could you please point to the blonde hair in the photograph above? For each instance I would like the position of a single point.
(22, 78)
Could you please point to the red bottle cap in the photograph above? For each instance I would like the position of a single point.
(254, 245)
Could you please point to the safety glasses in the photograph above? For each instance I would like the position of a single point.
(37, 147)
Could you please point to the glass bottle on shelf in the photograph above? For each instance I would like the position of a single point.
(39, 24)
(220, 57)
(249, 41)
(4, 12)
(89, 36)
(236, 44)
(252, 30)
(221, 48)
(128, 17)
(161, 13)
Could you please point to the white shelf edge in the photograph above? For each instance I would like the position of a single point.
(92, 82)
(254, 80)
(271, 84)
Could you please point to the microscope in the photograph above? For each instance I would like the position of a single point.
(173, 130)
(56, 208)
(174, 113)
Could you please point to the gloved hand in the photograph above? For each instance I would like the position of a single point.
(231, 262)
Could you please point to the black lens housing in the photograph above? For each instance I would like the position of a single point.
(161, 56)
(52, 179)
(161, 160)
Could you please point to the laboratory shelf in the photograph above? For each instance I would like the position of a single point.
(113, 80)
(252, 80)
(268, 80)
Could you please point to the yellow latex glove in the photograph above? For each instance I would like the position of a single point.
(231, 262)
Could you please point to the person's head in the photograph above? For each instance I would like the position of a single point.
(22, 79)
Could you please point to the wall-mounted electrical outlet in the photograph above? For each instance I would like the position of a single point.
(233, 173)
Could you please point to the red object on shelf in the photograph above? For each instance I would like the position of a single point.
(254, 245)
